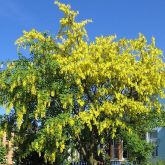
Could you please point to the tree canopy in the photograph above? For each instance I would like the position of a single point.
(72, 93)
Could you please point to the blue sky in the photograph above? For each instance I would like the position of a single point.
(125, 18)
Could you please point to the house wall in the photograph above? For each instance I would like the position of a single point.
(161, 143)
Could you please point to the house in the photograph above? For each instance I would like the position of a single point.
(117, 153)
(157, 136)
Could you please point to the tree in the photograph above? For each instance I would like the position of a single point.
(3, 150)
(2, 154)
(71, 94)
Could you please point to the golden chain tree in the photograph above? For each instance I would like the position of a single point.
(82, 94)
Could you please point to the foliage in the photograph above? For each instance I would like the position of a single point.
(72, 94)
(159, 162)
(137, 147)
(3, 151)
(2, 154)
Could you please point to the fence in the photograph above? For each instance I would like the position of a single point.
(79, 163)
(116, 163)
(85, 163)
(99, 163)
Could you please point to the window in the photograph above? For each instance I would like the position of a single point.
(116, 150)
(153, 135)
(155, 151)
